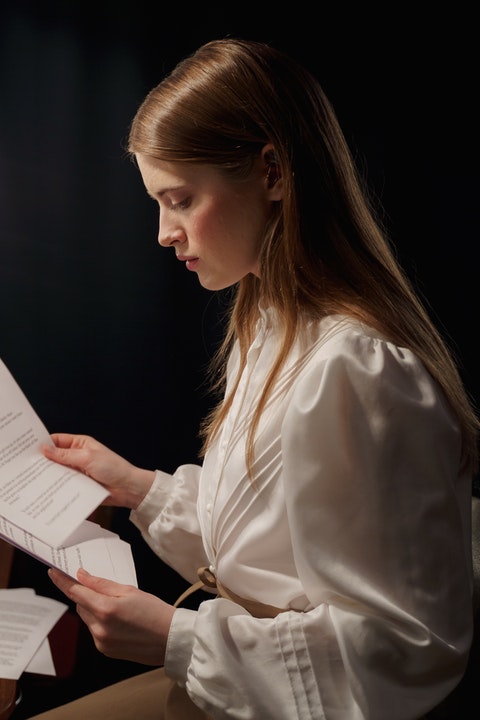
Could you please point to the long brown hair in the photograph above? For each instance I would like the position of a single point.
(325, 251)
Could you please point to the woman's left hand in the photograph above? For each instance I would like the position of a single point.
(125, 622)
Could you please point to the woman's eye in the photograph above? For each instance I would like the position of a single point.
(182, 205)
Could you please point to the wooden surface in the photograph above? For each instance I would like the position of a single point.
(8, 693)
(6, 560)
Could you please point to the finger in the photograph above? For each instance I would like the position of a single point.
(68, 456)
(62, 581)
(73, 589)
(63, 440)
(102, 585)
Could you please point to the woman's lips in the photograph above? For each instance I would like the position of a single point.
(190, 262)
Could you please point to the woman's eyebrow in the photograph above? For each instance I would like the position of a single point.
(161, 193)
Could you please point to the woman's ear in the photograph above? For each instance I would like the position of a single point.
(273, 173)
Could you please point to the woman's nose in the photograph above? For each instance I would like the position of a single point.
(169, 234)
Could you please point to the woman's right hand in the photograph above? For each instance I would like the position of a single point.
(126, 483)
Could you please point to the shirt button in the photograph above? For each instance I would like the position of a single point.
(209, 507)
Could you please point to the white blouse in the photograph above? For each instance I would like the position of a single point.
(358, 524)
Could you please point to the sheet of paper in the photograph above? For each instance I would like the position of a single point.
(96, 549)
(25, 621)
(42, 662)
(45, 498)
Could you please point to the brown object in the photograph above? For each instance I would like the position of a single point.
(8, 695)
(6, 560)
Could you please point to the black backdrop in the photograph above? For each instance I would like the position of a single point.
(104, 331)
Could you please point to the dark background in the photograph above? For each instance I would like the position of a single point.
(105, 332)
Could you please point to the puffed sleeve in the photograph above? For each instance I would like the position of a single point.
(168, 521)
(380, 529)
(380, 523)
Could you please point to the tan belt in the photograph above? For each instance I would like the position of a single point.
(208, 579)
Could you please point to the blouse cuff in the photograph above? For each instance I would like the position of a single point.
(178, 654)
(153, 501)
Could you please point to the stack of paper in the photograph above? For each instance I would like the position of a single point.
(44, 505)
(25, 621)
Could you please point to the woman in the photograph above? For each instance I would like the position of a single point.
(331, 513)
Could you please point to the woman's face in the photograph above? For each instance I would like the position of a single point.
(215, 225)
